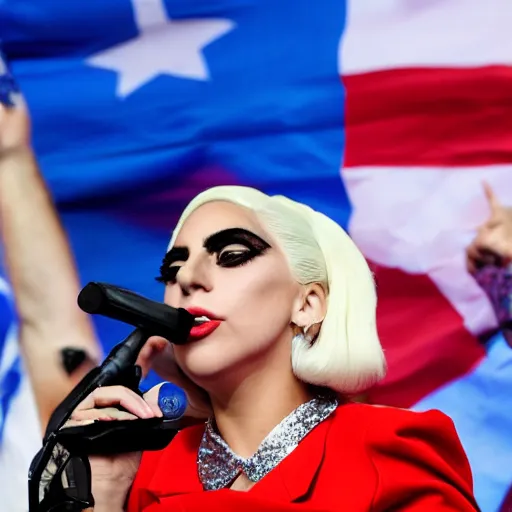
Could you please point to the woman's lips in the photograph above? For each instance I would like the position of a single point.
(204, 328)
(201, 331)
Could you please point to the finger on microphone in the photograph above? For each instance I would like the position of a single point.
(104, 414)
(109, 396)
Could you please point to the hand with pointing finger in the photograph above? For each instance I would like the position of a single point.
(493, 242)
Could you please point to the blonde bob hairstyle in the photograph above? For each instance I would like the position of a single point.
(347, 356)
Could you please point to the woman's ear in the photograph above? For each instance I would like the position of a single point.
(311, 308)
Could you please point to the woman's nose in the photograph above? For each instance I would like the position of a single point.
(194, 276)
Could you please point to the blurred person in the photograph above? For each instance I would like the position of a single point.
(489, 259)
(289, 336)
(480, 403)
(56, 340)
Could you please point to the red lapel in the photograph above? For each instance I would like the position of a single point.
(293, 477)
(176, 471)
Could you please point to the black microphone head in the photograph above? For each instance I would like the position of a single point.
(91, 299)
(155, 318)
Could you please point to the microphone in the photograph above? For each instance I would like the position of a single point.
(154, 318)
(150, 318)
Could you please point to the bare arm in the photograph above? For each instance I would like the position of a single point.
(40, 267)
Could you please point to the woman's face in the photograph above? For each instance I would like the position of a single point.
(225, 266)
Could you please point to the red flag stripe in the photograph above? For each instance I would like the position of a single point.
(424, 338)
(429, 117)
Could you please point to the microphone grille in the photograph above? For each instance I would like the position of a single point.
(91, 298)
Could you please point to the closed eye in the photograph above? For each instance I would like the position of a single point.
(233, 247)
(235, 239)
(168, 274)
(234, 256)
(168, 268)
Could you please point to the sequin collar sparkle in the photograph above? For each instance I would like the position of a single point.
(218, 465)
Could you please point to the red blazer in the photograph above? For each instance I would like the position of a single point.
(361, 458)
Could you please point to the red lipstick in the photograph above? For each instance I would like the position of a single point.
(206, 327)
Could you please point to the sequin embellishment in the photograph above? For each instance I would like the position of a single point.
(218, 465)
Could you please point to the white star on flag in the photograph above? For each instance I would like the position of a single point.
(163, 46)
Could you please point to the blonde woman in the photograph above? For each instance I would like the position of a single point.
(289, 336)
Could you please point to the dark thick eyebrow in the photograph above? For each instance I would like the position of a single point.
(242, 236)
(176, 254)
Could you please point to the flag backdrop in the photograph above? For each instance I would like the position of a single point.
(138, 105)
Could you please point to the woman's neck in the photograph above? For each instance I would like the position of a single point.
(245, 417)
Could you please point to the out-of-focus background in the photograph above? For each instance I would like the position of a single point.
(387, 115)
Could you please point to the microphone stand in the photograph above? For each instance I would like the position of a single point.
(60, 475)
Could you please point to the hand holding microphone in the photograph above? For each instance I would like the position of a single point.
(105, 419)
(112, 475)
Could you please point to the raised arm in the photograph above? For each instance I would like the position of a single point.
(40, 266)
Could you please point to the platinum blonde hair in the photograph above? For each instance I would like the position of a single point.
(347, 355)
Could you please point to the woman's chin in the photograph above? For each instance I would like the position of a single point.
(202, 361)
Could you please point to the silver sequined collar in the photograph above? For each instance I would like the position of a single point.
(218, 465)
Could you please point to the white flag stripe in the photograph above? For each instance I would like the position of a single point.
(386, 34)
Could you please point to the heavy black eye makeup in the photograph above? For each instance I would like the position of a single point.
(168, 271)
(234, 247)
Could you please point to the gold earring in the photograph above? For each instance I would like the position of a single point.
(307, 337)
